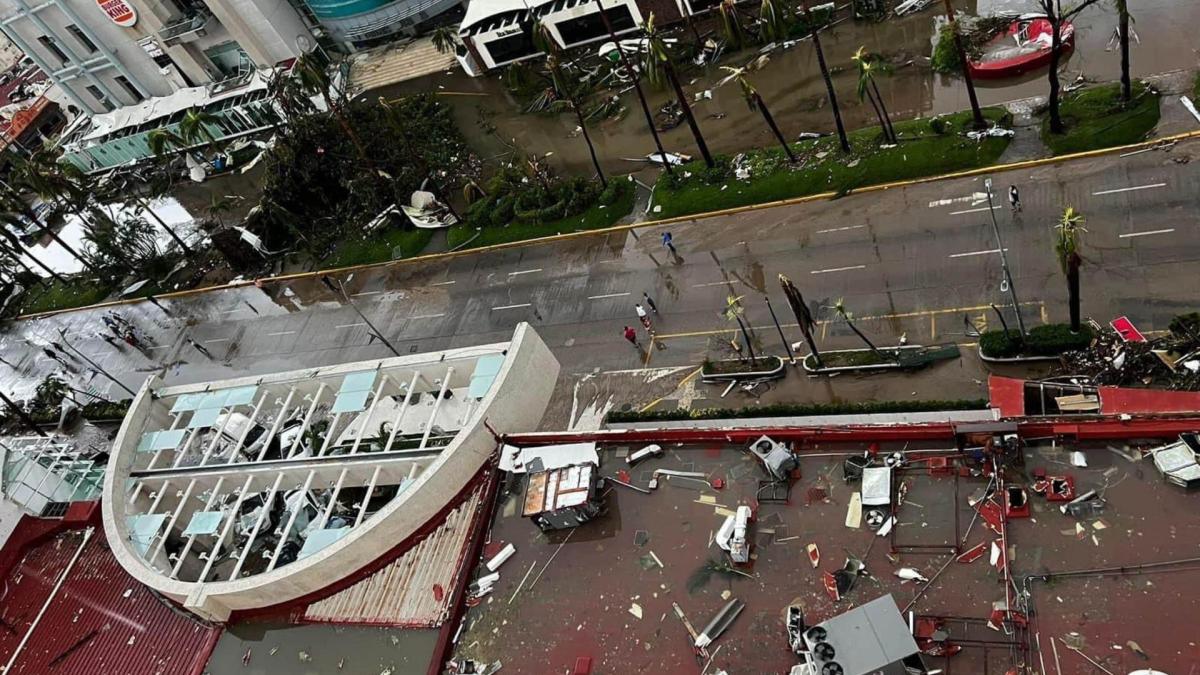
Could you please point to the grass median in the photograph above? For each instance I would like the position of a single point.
(596, 217)
(76, 292)
(927, 147)
(392, 244)
(1096, 118)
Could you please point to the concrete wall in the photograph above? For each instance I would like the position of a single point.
(266, 29)
(516, 401)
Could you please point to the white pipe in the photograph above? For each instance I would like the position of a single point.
(283, 412)
(330, 434)
(233, 516)
(87, 536)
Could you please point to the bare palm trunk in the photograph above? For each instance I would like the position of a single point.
(637, 86)
(687, 113)
(887, 119)
(1123, 27)
(582, 124)
(887, 137)
(864, 338)
(1073, 264)
(145, 204)
(746, 337)
(803, 316)
(1056, 123)
(833, 101)
(976, 111)
(766, 113)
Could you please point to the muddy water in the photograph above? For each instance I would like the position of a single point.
(792, 86)
(321, 650)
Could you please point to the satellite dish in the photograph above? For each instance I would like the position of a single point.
(304, 43)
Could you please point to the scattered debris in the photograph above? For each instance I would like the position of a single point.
(1177, 461)
(814, 555)
(719, 623)
(499, 559)
(636, 610)
(910, 574)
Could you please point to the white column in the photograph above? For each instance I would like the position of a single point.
(187, 547)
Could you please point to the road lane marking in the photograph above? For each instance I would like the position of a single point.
(366, 293)
(838, 269)
(526, 304)
(1129, 189)
(840, 229)
(231, 311)
(428, 316)
(351, 325)
(536, 269)
(608, 295)
(967, 255)
(444, 283)
(218, 340)
(715, 283)
(985, 208)
(152, 347)
(282, 332)
(1145, 234)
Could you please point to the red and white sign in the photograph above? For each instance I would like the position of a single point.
(1126, 329)
(119, 11)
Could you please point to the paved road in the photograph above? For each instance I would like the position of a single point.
(913, 260)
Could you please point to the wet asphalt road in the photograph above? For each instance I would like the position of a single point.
(912, 261)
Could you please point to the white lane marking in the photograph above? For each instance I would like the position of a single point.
(608, 295)
(985, 208)
(511, 306)
(715, 283)
(838, 269)
(158, 347)
(973, 197)
(282, 332)
(351, 325)
(444, 283)
(427, 316)
(1129, 189)
(536, 269)
(218, 340)
(840, 229)
(366, 293)
(1145, 234)
(967, 255)
(231, 311)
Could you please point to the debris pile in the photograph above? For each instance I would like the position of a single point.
(1124, 358)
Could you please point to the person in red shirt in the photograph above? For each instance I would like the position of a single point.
(631, 335)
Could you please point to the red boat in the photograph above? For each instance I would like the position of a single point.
(1020, 48)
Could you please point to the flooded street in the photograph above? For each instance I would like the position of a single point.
(791, 85)
(318, 649)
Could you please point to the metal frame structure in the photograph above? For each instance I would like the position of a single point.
(65, 462)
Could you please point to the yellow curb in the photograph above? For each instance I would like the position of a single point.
(691, 376)
(995, 168)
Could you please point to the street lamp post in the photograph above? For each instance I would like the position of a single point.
(338, 289)
(1012, 290)
(786, 346)
(66, 343)
(23, 416)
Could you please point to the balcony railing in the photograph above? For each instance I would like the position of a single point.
(188, 26)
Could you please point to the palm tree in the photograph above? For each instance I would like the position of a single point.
(16, 214)
(637, 86)
(840, 308)
(803, 316)
(164, 141)
(1123, 36)
(314, 79)
(773, 20)
(657, 50)
(445, 39)
(833, 102)
(1066, 248)
(733, 312)
(868, 66)
(195, 127)
(546, 43)
(1054, 14)
(42, 175)
(731, 24)
(130, 195)
(755, 101)
(976, 111)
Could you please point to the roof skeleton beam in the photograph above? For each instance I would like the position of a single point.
(362, 508)
(437, 405)
(241, 441)
(137, 490)
(403, 408)
(162, 490)
(187, 546)
(266, 508)
(316, 399)
(283, 534)
(362, 428)
(337, 489)
(283, 414)
(160, 538)
(229, 519)
(212, 444)
(330, 434)
(353, 450)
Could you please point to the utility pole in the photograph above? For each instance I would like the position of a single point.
(1012, 291)
(63, 333)
(23, 416)
(337, 288)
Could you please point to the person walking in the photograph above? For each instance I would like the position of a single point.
(1014, 198)
(56, 357)
(200, 348)
(668, 241)
(631, 335)
(645, 319)
(649, 302)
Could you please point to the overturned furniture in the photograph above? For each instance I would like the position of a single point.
(867, 640)
(1177, 461)
(558, 499)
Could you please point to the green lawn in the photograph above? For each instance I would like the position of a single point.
(823, 167)
(391, 244)
(78, 292)
(596, 217)
(1096, 118)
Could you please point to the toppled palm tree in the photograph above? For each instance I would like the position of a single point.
(840, 308)
(803, 316)
(733, 312)
(658, 52)
(1066, 249)
(870, 65)
(755, 102)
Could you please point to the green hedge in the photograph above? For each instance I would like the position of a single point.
(96, 410)
(796, 410)
(1049, 340)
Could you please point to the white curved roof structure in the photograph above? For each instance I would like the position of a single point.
(258, 491)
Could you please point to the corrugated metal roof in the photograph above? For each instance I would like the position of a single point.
(401, 594)
(101, 620)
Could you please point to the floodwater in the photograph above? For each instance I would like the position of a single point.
(792, 87)
(319, 649)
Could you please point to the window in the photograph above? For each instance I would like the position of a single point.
(511, 48)
(591, 26)
(52, 47)
(130, 89)
(100, 97)
(81, 38)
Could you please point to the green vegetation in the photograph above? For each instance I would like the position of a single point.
(927, 148)
(795, 410)
(391, 244)
(608, 207)
(77, 292)
(975, 33)
(1097, 118)
(1048, 340)
(1196, 88)
(855, 358)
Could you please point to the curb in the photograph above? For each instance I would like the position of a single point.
(995, 168)
(774, 373)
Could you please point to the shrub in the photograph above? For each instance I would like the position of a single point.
(1001, 344)
(796, 410)
(1185, 325)
(938, 126)
(1049, 340)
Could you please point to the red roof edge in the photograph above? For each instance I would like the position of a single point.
(1119, 400)
(1007, 394)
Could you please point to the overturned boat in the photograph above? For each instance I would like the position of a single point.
(1022, 46)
